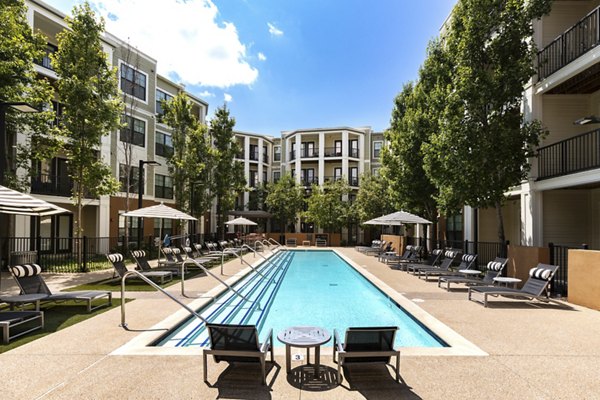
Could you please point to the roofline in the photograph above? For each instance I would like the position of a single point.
(362, 130)
(258, 135)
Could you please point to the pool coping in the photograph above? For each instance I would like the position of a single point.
(457, 344)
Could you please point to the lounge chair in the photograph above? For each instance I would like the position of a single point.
(290, 242)
(201, 254)
(30, 281)
(18, 323)
(432, 260)
(116, 259)
(237, 343)
(189, 253)
(374, 245)
(169, 253)
(535, 287)
(493, 270)
(411, 254)
(446, 263)
(366, 345)
(383, 247)
(467, 262)
(139, 256)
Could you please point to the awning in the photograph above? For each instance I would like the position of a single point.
(159, 211)
(240, 221)
(397, 218)
(13, 202)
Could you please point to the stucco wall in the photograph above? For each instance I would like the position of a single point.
(584, 278)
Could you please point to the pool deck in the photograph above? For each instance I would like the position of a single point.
(535, 351)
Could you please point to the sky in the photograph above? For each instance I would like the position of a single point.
(282, 65)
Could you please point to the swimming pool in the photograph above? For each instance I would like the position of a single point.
(314, 288)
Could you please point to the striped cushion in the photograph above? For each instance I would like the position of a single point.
(468, 258)
(21, 271)
(437, 251)
(450, 254)
(139, 253)
(115, 257)
(176, 250)
(167, 250)
(187, 249)
(494, 266)
(540, 273)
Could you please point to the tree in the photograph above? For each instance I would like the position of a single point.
(87, 87)
(20, 47)
(373, 198)
(285, 200)
(192, 156)
(483, 143)
(228, 175)
(328, 206)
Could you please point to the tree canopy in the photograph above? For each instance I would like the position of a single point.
(328, 206)
(87, 88)
(373, 198)
(285, 199)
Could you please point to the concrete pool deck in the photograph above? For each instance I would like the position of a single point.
(535, 351)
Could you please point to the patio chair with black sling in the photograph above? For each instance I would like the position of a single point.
(432, 260)
(536, 286)
(116, 259)
(139, 256)
(366, 345)
(30, 281)
(467, 263)
(237, 343)
(493, 270)
(14, 324)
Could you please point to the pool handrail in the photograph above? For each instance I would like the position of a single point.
(265, 258)
(241, 257)
(274, 241)
(155, 286)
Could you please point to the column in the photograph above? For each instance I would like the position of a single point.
(345, 152)
(321, 158)
(260, 160)
(532, 216)
(469, 223)
(297, 155)
(246, 167)
(103, 222)
(361, 155)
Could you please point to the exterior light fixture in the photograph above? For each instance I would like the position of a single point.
(592, 119)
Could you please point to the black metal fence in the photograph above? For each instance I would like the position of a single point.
(579, 153)
(559, 255)
(578, 40)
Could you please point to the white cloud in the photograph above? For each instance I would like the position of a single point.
(206, 93)
(185, 37)
(262, 57)
(227, 97)
(273, 30)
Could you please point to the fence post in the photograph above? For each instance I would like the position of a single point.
(85, 254)
(466, 247)
(551, 247)
(38, 247)
(584, 246)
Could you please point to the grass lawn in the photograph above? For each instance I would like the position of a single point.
(58, 316)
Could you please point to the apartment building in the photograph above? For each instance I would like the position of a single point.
(560, 201)
(144, 143)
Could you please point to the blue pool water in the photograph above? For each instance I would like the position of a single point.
(315, 288)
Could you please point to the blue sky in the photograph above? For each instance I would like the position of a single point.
(288, 64)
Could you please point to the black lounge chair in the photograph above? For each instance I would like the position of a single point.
(139, 256)
(432, 261)
(366, 345)
(201, 254)
(18, 323)
(116, 259)
(189, 253)
(535, 287)
(449, 257)
(374, 245)
(467, 262)
(493, 270)
(237, 343)
(169, 253)
(30, 281)
(411, 254)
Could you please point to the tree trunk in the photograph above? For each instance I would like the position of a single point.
(501, 236)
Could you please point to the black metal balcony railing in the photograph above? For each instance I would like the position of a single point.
(54, 185)
(309, 180)
(253, 156)
(354, 153)
(292, 155)
(332, 178)
(309, 153)
(240, 156)
(353, 181)
(576, 41)
(45, 61)
(576, 154)
(332, 152)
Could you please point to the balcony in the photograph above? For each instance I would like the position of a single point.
(53, 185)
(45, 61)
(292, 155)
(309, 180)
(309, 153)
(265, 158)
(332, 152)
(253, 156)
(353, 153)
(239, 156)
(332, 178)
(576, 154)
(353, 181)
(575, 42)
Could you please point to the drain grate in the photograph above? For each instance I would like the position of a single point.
(333, 284)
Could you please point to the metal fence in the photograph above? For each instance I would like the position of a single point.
(559, 255)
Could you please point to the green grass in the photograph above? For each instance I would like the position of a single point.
(58, 316)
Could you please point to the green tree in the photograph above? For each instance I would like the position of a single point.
(20, 47)
(228, 175)
(483, 143)
(192, 156)
(373, 198)
(328, 205)
(87, 87)
(285, 200)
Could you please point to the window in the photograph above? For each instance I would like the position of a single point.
(375, 172)
(133, 228)
(265, 175)
(167, 227)
(454, 228)
(276, 176)
(164, 145)
(338, 148)
(133, 178)
(277, 153)
(163, 186)
(133, 82)
(160, 97)
(353, 148)
(253, 178)
(265, 155)
(353, 173)
(377, 148)
(337, 173)
(254, 152)
(134, 131)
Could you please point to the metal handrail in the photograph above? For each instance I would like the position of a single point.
(265, 241)
(154, 285)
(216, 277)
(241, 257)
(259, 242)
(265, 258)
(274, 241)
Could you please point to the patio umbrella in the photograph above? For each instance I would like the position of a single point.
(17, 203)
(398, 218)
(241, 221)
(159, 211)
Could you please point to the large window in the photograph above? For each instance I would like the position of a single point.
(160, 97)
(454, 228)
(164, 145)
(377, 149)
(163, 186)
(133, 82)
(253, 179)
(133, 178)
(134, 131)
(133, 228)
(277, 153)
(276, 176)
(167, 227)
